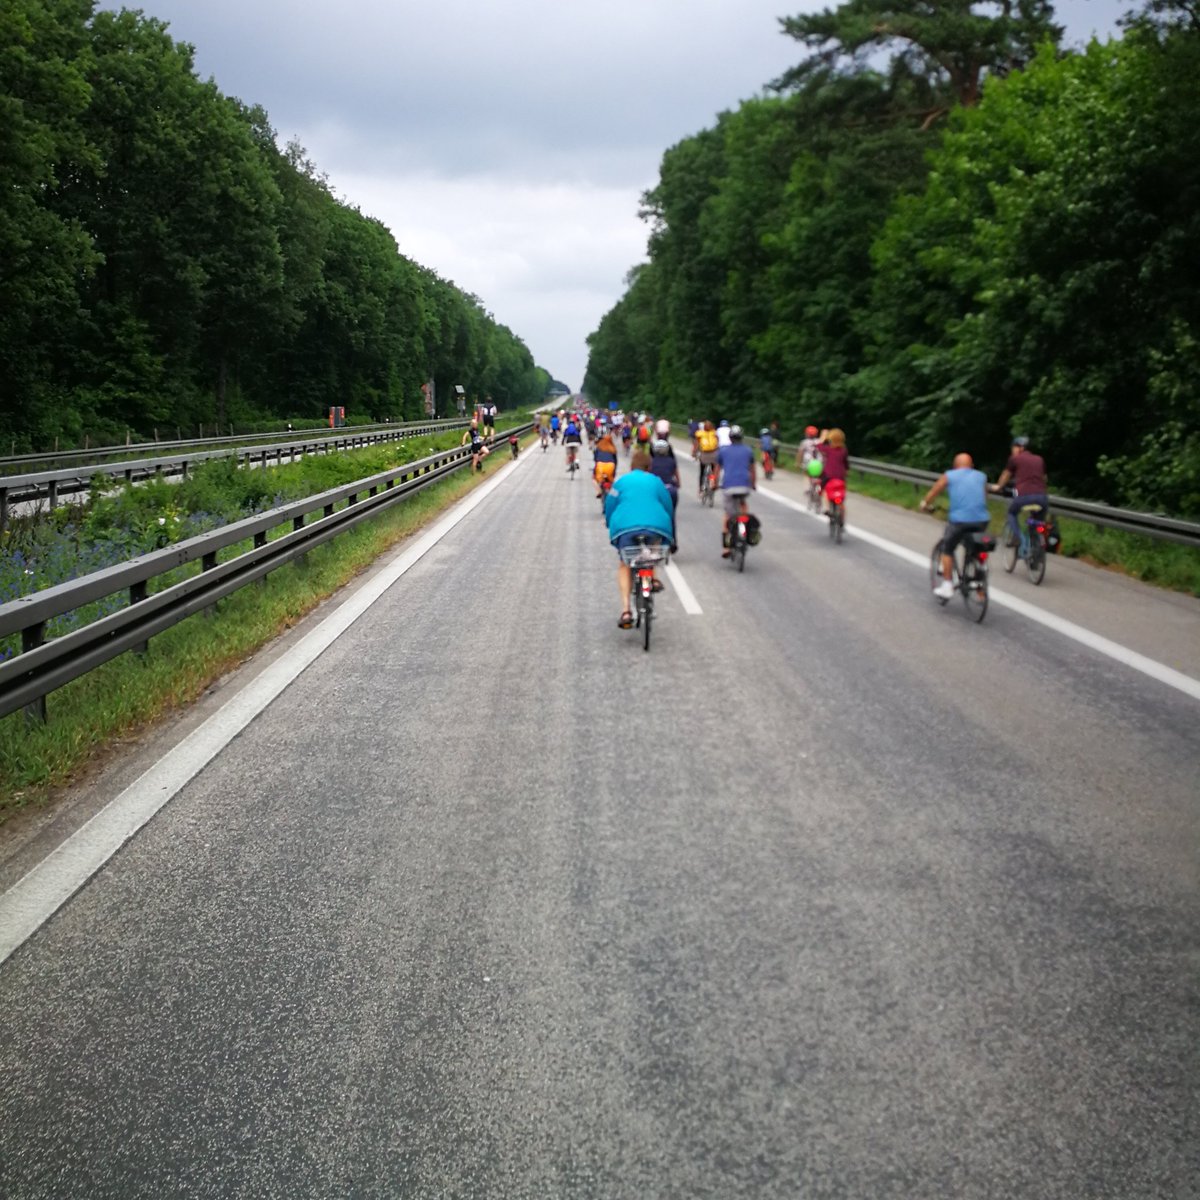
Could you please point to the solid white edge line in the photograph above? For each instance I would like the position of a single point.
(687, 597)
(35, 897)
(1086, 637)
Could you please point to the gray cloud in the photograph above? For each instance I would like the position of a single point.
(505, 146)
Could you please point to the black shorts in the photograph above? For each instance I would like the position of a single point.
(960, 533)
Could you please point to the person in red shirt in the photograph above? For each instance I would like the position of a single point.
(835, 458)
(1028, 474)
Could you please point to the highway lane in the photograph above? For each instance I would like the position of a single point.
(831, 894)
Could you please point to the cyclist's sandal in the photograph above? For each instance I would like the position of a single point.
(626, 621)
(657, 586)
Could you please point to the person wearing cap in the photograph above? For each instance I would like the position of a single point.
(807, 450)
(1027, 471)
(738, 478)
(663, 464)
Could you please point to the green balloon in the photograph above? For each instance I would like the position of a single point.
(814, 467)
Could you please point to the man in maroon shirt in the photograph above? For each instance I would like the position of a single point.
(1028, 474)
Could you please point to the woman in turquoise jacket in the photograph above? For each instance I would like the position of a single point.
(638, 505)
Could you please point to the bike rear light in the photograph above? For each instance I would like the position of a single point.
(983, 556)
(1041, 529)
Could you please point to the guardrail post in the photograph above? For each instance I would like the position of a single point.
(138, 592)
(207, 563)
(32, 637)
(3, 509)
(52, 494)
(327, 511)
(260, 540)
(352, 499)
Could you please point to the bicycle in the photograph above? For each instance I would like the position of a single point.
(708, 487)
(814, 494)
(647, 552)
(1033, 544)
(768, 464)
(968, 572)
(835, 493)
(545, 441)
(572, 458)
(739, 538)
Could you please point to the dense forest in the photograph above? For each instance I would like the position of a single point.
(938, 230)
(163, 263)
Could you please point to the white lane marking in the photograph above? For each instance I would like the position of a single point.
(1086, 637)
(687, 597)
(39, 894)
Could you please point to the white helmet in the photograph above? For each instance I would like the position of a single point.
(660, 446)
(662, 427)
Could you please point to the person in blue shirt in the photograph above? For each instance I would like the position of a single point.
(738, 477)
(637, 505)
(573, 441)
(968, 514)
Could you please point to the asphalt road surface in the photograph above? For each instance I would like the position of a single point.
(832, 894)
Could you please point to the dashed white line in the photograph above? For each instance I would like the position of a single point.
(687, 597)
(1086, 637)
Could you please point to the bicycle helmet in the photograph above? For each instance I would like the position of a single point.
(1023, 442)
(662, 427)
(660, 446)
(724, 425)
(735, 432)
(764, 433)
(810, 431)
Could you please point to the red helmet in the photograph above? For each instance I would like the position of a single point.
(835, 489)
(810, 431)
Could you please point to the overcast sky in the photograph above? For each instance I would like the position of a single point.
(506, 146)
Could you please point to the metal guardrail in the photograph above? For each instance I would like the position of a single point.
(13, 464)
(51, 486)
(1167, 529)
(43, 666)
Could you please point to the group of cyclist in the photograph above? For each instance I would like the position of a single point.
(642, 502)
(967, 489)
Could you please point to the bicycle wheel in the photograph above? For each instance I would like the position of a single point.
(1036, 562)
(738, 555)
(974, 589)
(841, 523)
(647, 613)
(1012, 547)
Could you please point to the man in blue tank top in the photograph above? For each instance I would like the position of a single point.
(967, 488)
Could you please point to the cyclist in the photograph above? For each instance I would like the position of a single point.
(572, 441)
(707, 445)
(968, 513)
(1028, 474)
(489, 419)
(605, 456)
(808, 448)
(835, 458)
(638, 505)
(544, 434)
(626, 433)
(738, 477)
(663, 464)
(693, 429)
(478, 445)
(766, 443)
(555, 425)
(723, 437)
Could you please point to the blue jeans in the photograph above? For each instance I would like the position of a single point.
(1018, 503)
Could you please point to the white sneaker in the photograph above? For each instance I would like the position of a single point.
(944, 590)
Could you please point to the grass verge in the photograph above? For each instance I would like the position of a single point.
(126, 696)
